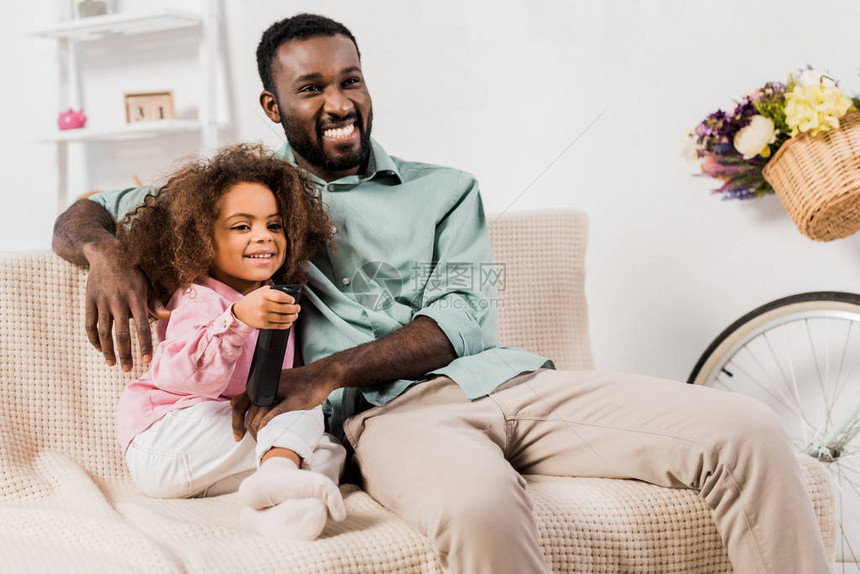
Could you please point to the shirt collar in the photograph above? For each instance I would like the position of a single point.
(380, 167)
(223, 289)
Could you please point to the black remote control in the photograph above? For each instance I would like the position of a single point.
(262, 386)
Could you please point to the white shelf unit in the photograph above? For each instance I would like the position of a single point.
(133, 131)
(99, 27)
(106, 28)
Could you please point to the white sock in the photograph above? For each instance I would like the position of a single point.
(294, 519)
(278, 480)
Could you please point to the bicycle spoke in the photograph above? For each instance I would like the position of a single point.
(845, 539)
(755, 381)
(846, 427)
(779, 398)
(842, 466)
(814, 354)
(850, 432)
(776, 360)
(817, 366)
(839, 392)
(844, 542)
(797, 398)
(796, 407)
(823, 386)
(851, 372)
(820, 431)
(841, 364)
(792, 387)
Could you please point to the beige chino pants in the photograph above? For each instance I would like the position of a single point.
(452, 467)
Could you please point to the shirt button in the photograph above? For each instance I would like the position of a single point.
(332, 187)
(346, 280)
(333, 229)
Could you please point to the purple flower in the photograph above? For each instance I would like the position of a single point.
(714, 138)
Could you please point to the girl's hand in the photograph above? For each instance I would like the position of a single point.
(266, 308)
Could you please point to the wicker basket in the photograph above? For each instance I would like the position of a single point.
(818, 180)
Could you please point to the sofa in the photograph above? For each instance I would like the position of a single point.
(67, 503)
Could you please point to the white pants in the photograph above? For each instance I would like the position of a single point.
(191, 452)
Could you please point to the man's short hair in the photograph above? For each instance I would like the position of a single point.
(298, 27)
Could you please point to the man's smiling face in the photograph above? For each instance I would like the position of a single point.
(323, 105)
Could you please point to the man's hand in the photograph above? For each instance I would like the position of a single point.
(115, 293)
(299, 389)
(409, 353)
(84, 234)
(267, 308)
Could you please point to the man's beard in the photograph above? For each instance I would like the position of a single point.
(314, 152)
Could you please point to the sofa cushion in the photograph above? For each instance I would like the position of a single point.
(542, 305)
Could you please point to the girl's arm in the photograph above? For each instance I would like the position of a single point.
(199, 352)
(201, 347)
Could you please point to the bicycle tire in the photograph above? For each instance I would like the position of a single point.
(828, 300)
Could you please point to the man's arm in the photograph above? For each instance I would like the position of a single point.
(84, 235)
(84, 224)
(450, 324)
(409, 353)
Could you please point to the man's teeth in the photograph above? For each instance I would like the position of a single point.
(340, 133)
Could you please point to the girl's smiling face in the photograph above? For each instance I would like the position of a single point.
(249, 239)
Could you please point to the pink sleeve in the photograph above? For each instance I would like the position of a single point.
(199, 353)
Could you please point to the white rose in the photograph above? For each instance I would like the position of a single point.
(755, 138)
(810, 77)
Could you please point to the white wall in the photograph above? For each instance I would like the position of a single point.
(501, 90)
(27, 108)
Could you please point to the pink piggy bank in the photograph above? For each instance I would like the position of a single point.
(70, 120)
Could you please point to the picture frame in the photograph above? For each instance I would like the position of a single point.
(149, 106)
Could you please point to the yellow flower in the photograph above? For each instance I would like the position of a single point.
(815, 108)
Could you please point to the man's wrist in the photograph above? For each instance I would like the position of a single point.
(98, 251)
(331, 370)
(336, 372)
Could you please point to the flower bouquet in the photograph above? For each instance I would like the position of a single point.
(801, 140)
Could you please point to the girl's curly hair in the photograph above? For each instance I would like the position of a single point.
(169, 236)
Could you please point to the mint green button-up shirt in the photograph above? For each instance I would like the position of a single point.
(410, 240)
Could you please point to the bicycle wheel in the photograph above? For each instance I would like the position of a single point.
(801, 356)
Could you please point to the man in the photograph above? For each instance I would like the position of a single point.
(443, 421)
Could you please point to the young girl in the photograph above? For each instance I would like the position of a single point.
(215, 237)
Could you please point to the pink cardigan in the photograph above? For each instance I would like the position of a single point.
(205, 354)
